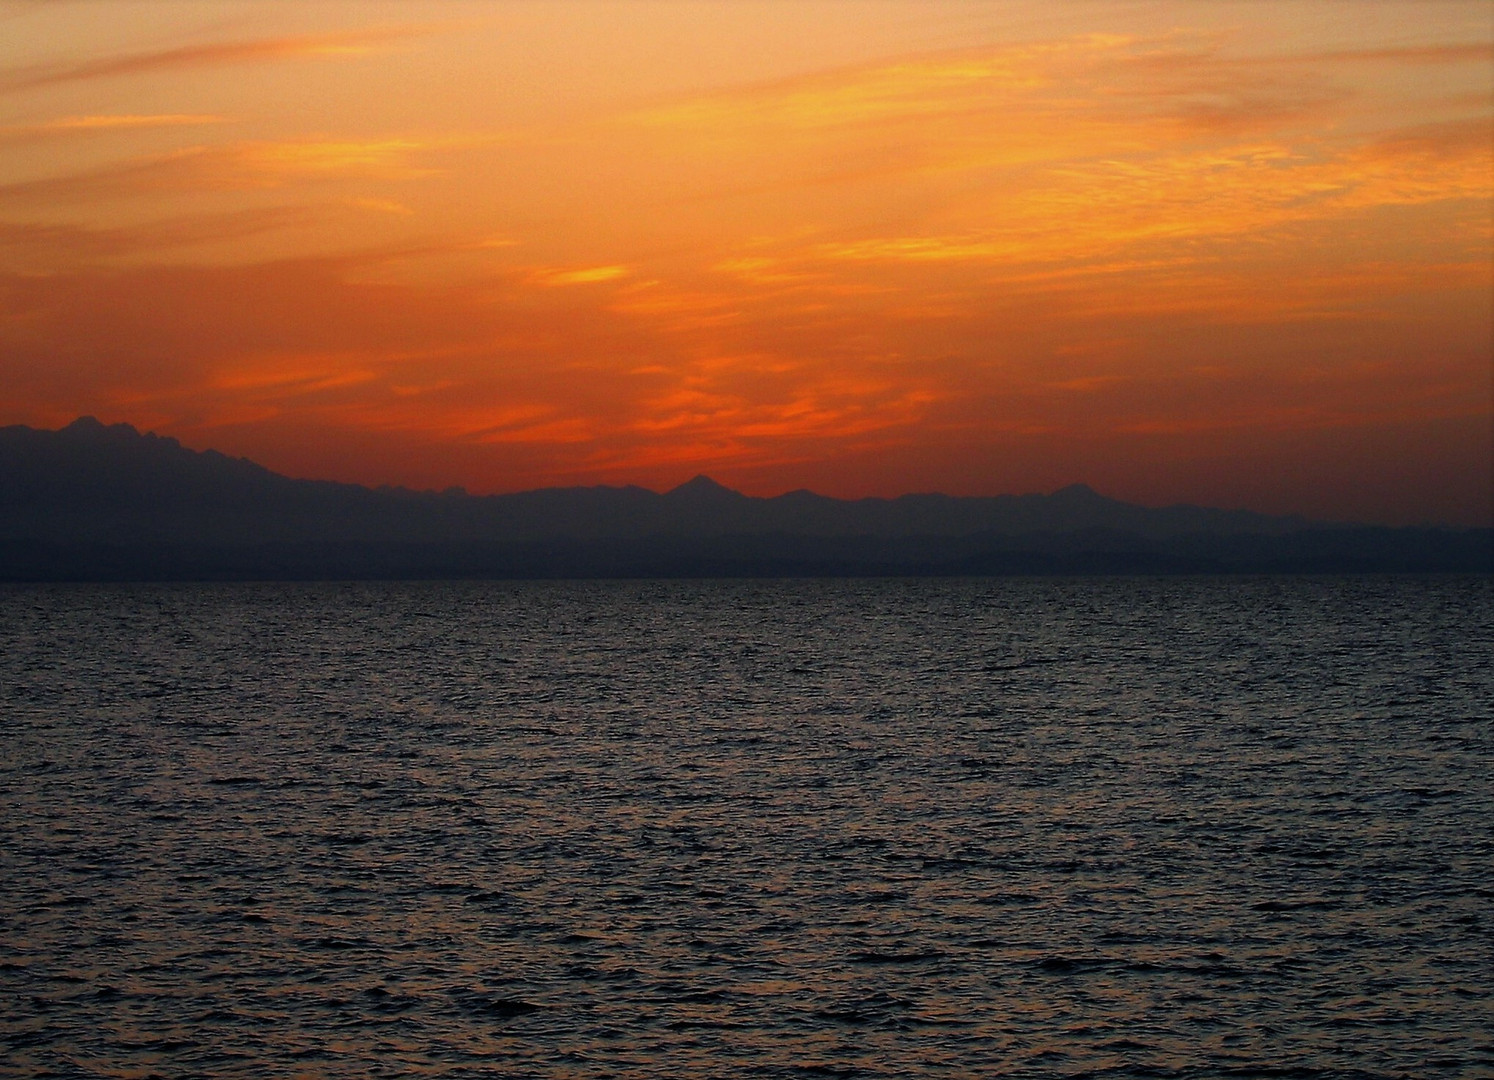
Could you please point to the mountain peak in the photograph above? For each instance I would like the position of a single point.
(92, 427)
(1078, 493)
(702, 485)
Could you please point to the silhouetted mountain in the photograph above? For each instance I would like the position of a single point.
(106, 502)
(702, 490)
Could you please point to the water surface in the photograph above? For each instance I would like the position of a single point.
(1032, 828)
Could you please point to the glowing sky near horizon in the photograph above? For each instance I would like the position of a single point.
(1239, 254)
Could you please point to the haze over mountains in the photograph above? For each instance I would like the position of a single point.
(96, 502)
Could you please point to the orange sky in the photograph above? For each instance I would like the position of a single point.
(1230, 253)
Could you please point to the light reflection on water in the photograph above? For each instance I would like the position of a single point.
(846, 828)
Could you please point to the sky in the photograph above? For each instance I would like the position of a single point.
(1238, 253)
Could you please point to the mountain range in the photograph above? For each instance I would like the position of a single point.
(97, 502)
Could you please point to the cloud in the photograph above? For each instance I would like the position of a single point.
(90, 125)
(909, 89)
(51, 246)
(317, 342)
(187, 57)
(1450, 53)
(589, 275)
(1004, 110)
(1069, 92)
(1194, 205)
(225, 168)
(936, 129)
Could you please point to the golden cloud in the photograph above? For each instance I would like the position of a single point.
(212, 54)
(225, 168)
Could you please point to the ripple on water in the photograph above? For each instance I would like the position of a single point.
(1119, 827)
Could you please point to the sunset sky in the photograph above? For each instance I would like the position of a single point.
(1239, 254)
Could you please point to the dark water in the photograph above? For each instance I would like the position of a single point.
(1149, 828)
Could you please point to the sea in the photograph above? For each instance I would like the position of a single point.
(1020, 827)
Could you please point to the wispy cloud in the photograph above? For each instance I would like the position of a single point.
(912, 88)
(212, 54)
(1450, 53)
(47, 246)
(589, 275)
(225, 168)
(90, 125)
(1091, 82)
(1006, 107)
(1069, 162)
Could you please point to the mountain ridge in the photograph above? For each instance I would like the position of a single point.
(105, 501)
(148, 474)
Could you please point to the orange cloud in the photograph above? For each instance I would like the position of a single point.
(38, 247)
(221, 168)
(88, 125)
(214, 54)
(1108, 89)
(1450, 53)
(589, 275)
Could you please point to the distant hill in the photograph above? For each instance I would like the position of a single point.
(96, 502)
